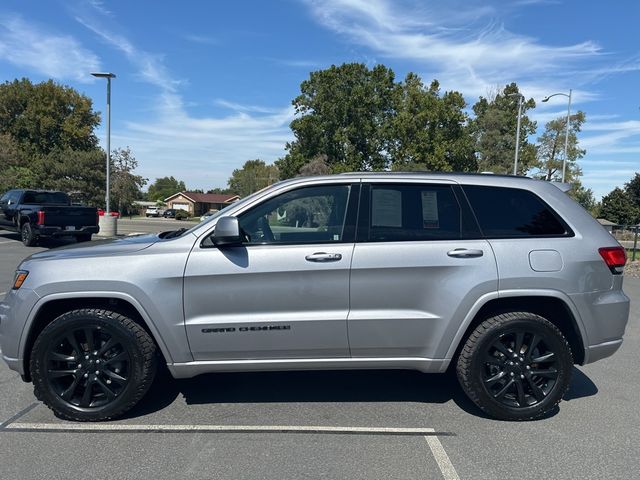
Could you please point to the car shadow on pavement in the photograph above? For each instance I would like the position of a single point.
(323, 386)
(309, 386)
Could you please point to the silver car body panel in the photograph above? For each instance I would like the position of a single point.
(384, 305)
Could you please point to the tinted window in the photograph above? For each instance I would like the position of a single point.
(413, 212)
(45, 198)
(305, 215)
(510, 212)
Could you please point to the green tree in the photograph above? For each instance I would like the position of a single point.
(618, 207)
(632, 187)
(551, 149)
(494, 131)
(317, 166)
(221, 191)
(584, 196)
(429, 131)
(47, 116)
(14, 172)
(342, 112)
(79, 173)
(125, 185)
(164, 187)
(253, 176)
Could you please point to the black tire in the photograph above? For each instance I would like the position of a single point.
(83, 238)
(29, 239)
(515, 366)
(92, 364)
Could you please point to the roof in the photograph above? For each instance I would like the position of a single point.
(604, 221)
(197, 197)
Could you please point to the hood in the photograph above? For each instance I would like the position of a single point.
(99, 248)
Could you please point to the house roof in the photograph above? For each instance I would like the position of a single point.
(205, 197)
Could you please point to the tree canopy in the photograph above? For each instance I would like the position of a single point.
(618, 207)
(494, 132)
(164, 187)
(253, 176)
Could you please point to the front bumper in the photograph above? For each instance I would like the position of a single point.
(14, 312)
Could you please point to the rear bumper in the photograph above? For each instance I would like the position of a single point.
(46, 231)
(602, 350)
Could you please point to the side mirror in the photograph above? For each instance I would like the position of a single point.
(227, 232)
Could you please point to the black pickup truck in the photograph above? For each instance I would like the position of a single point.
(38, 214)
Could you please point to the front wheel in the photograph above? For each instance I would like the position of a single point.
(92, 364)
(515, 366)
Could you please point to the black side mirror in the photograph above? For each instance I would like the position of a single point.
(227, 232)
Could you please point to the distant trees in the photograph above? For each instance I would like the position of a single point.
(47, 140)
(164, 187)
(125, 185)
(494, 132)
(253, 176)
(618, 207)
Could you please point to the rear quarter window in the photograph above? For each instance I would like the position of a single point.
(511, 212)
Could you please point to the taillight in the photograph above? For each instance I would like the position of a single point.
(614, 257)
(40, 218)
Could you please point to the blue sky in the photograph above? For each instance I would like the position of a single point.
(203, 86)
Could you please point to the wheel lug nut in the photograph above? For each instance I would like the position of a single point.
(95, 352)
(86, 357)
(97, 372)
(511, 374)
(522, 376)
(97, 361)
(86, 375)
(79, 365)
(528, 367)
(108, 382)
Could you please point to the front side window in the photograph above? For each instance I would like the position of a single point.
(413, 212)
(45, 198)
(510, 212)
(306, 215)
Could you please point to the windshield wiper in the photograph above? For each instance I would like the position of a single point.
(173, 233)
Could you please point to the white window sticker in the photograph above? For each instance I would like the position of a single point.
(386, 208)
(430, 209)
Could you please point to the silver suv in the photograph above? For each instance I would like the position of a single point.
(506, 280)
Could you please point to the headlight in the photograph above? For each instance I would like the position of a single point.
(19, 278)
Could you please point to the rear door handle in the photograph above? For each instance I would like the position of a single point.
(465, 253)
(323, 257)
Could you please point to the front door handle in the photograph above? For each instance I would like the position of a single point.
(465, 253)
(323, 257)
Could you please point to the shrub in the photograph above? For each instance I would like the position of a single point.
(182, 215)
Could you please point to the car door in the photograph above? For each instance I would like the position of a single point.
(284, 293)
(418, 267)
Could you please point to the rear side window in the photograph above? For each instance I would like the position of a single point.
(510, 212)
(45, 198)
(413, 212)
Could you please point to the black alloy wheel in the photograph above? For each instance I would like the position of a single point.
(92, 364)
(29, 239)
(520, 369)
(88, 367)
(515, 366)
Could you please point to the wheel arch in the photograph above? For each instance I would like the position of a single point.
(552, 305)
(50, 307)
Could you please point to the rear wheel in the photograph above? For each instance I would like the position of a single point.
(29, 239)
(515, 366)
(92, 364)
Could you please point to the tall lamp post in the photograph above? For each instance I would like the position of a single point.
(566, 135)
(108, 76)
(520, 98)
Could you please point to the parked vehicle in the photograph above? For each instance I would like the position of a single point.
(169, 213)
(207, 215)
(153, 212)
(38, 214)
(506, 280)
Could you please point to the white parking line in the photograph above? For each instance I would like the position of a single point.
(98, 427)
(444, 463)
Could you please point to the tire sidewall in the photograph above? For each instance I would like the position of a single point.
(554, 340)
(74, 320)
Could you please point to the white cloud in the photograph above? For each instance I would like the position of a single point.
(55, 55)
(451, 42)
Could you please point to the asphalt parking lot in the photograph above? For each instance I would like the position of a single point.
(329, 425)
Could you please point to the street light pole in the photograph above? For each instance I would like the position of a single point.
(108, 76)
(566, 134)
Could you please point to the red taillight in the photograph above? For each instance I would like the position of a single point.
(40, 218)
(614, 257)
